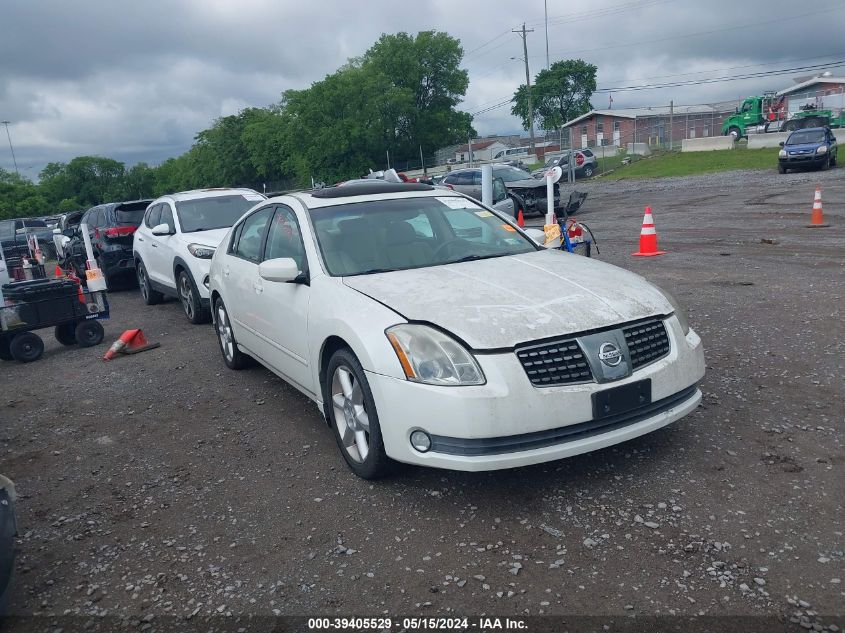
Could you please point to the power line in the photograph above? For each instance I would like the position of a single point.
(710, 32)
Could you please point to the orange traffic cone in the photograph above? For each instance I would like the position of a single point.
(59, 272)
(130, 342)
(519, 219)
(817, 219)
(648, 237)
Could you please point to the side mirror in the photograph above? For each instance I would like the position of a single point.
(282, 270)
(69, 232)
(537, 235)
(781, 143)
(161, 229)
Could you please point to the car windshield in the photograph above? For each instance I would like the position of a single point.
(216, 212)
(509, 174)
(35, 224)
(386, 235)
(806, 136)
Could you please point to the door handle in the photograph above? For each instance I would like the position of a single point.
(225, 271)
(140, 239)
(155, 245)
(257, 287)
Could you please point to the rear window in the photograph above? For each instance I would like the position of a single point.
(35, 224)
(587, 153)
(130, 213)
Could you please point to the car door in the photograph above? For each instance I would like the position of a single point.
(281, 314)
(142, 244)
(501, 201)
(240, 274)
(164, 249)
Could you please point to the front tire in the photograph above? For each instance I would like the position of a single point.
(735, 133)
(151, 297)
(351, 410)
(781, 169)
(189, 296)
(588, 171)
(26, 347)
(826, 163)
(232, 356)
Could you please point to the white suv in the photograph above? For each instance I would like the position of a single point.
(174, 244)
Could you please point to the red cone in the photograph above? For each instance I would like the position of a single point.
(648, 237)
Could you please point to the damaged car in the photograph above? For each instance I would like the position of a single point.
(528, 192)
(430, 329)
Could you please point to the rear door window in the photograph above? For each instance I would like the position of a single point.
(167, 217)
(251, 237)
(153, 216)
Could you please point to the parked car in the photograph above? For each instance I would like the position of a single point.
(110, 228)
(585, 164)
(14, 235)
(8, 532)
(174, 244)
(501, 200)
(813, 147)
(402, 311)
(529, 192)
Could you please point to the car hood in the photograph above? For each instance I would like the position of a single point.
(210, 238)
(498, 303)
(528, 183)
(803, 147)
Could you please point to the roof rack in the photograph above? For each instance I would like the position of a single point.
(368, 188)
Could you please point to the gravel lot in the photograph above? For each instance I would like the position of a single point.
(164, 484)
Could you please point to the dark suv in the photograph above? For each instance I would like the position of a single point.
(111, 227)
(811, 147)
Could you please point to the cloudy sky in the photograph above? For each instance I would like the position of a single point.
(137, 80)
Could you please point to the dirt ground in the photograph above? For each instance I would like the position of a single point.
(164, 484)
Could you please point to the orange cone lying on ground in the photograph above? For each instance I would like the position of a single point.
(817, 219)
(648, 237)
(519, 219)
(130, 342)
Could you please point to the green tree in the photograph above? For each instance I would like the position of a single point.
(89, 180)
(559, 94)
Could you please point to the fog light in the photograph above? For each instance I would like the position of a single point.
(420, 441)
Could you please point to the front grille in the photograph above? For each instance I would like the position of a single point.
(647, 342)
(557, 363)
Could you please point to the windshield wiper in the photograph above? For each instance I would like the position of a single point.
(373, 271)
(471, 258)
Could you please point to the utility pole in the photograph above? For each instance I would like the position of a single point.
(469, 149)
(546, 11)
(671, 121)
(14, 160)
(524, 34)
(422, 162)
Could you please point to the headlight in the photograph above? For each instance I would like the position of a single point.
(201, 251)
(679, 311)
(433, 358)
(822, 150)
(782, 153)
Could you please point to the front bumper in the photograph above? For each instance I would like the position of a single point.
(803, 160)
(508, 423)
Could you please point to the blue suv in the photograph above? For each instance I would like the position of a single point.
(813, 147)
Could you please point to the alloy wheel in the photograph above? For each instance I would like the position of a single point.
(224, 333)
(142, 281)
(350, 414)
(186, 294)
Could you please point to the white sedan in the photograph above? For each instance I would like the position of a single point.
(431, 330)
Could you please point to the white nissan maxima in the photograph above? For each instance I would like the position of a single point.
(431, 330)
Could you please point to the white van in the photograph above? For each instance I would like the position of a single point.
(511, 152)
